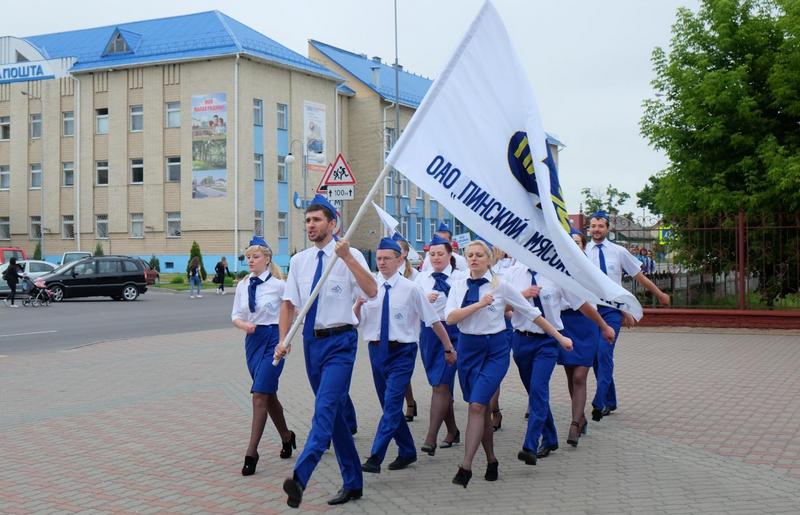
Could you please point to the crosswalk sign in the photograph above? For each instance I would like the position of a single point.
(338, 174)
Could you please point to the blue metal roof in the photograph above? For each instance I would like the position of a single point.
(177, 38)
(344, 90)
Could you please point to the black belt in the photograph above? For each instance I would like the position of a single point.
(528, 333)
(393, 344)
(332, 331)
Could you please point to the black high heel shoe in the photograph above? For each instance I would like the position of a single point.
(429, 449)
(491, 471)
(250, 463)
(496, 415)
(456, 439)
(574, 434)
(286, 449)
(413, 408)
(462, 477)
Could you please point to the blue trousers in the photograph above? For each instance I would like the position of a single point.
(391, 371)
(606, 394)
(536, 357)
(350, 414)
(329, 365)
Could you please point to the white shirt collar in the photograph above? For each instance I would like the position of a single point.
(392, 280)
(263, 276)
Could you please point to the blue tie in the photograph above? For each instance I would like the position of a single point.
(602, 258)
(311, 316)
(251, 292)
(536, 300)
(441, 283)
(473, 294)
(384, 337)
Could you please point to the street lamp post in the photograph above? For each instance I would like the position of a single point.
(289, 160)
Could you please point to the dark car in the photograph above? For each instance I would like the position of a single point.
(119, 277)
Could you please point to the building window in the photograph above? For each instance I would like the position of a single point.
(137, 225)
(117, 45)
(389, 183)
(36, 176)
(258, 165)
(258, 225)
(420, 195)
(67, 173)
(5, 177)
(5, 127)
(283, 225)
(36, 126)
(458, 227)
(137, 171)
(418, 227)
(101, 173)
(173, 169)
(282, 173)
(404, 186)
(404, 225)
(283, 117)
(137, 118)
(258, 112)
(101, 121)
(68, 123)
(173, 115)
(101, 226)
(5, 228)
(388, 141)
(174, 224)
(68, 227)
(432, 227)
(35, 232)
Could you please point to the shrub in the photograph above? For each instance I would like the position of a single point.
(155, 264)
(176, 280)
(196, 252)
(98, 250)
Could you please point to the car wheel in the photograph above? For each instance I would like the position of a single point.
(58, 293)
(130, 292)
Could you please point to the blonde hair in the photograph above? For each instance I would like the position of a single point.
(489, 253)
(273, 268)
(407, 269)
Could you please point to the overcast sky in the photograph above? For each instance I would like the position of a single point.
(588, 61)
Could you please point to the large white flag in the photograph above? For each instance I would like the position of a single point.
(477, 145)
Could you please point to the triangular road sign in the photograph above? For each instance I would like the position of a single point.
(322, 188)
(338, 174)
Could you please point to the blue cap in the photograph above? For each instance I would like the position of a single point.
(389, 244)
(443, 227)
(398, 237)
(573, 231)
(320, 200)
(438, 240)
(258, 240)
(485, 241)
(601, 214)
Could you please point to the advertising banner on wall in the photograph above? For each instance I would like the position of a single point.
(314, 135)
(209, 152)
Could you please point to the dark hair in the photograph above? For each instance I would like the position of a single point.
(449, 247)
(12, 262)
(582, 237)
(319, 207)
(606, 220)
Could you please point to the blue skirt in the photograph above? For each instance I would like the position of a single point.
(483, 361)
(432, 354)
(259, 348)
(584, 334)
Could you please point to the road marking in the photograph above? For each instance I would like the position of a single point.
(26, 334)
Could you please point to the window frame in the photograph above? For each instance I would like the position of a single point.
(258, 223)
(37, 172)
(64, 121)
(5, 173)
(98, 218)
(168, 165)
(171, 109)
(67, 221)
(282, 116)
(132, 234)
(173, 217)
(34, 221)
(258, 167)
(97, 169)
(64, 170)
(5, 127)
(418, 228)
(5, 228)
(133, 165)
(283, 170)
(258, 112)
(100, 117)
(283, 225)
(404, 225)
(135, 115)
(35, 120)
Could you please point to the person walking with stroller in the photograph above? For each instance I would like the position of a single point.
(12, 276)
(221, 271)
(194, 273)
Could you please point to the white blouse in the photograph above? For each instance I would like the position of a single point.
(427, 282)
(269, 295)
(407, 307)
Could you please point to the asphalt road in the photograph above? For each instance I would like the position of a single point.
(78, 322)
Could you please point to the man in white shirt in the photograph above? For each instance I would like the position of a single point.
(390, 323)
(444, 232)
(329, 342)
(612, 259)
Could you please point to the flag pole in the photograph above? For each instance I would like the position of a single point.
(350, 230)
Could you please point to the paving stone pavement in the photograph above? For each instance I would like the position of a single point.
(709, 422)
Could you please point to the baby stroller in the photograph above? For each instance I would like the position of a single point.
(36, 292)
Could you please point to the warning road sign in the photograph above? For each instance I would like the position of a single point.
(343, 192)
(339, 173)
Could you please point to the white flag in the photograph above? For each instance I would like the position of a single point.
(390, 223)
(477, 145)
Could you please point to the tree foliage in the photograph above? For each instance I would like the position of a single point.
(37, 252)
(98, 250)
(195, 251)
(610, 201)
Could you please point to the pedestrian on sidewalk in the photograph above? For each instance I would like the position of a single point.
(195, 279)
(220, 272)
(12, 275)
(256, 307)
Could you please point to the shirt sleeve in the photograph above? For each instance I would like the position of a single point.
(629, 263)
(291, 290)
(424, 308)
(518, 302)
(573, 301)
(452, 302)
(357, 291)
(236, 312)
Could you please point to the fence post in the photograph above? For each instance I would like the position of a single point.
(741, 235)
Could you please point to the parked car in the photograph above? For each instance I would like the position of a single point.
(151, 275)
(7, 253)
(75, 255)
(119, 277)
(32, 268)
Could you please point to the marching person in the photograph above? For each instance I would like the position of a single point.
(221, 271)
(535, 353)
(477, 304)
(256, 304)
(612, 259)
(443, 231)
(409, 272)
(390, 323)
(439, 370)
(329, 343)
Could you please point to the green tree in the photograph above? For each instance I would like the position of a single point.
(155, 264)
(37, 252)
(610, 201)
(195, 251)
(98, 250)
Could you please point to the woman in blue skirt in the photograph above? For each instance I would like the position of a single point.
(583, 332)
(255, 311)
(478, 304)
(436, 283)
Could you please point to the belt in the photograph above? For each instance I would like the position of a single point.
(529, 334)
(331, 331)
(393, 344)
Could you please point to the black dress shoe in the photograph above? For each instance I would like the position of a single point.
(286, 450)
(527, 455)
(372, 465)
(400, 463)
(354, 431)
(491, 471)
(250, 463)
(345, 496)
(456, 439)
(607, 411)
(462, 477)
(294, 490)
(545, 450)
(429, 449)
(597, 414)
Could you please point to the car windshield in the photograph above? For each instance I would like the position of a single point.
(69, 258)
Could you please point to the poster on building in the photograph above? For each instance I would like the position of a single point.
(209, 152)
(314, 135)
